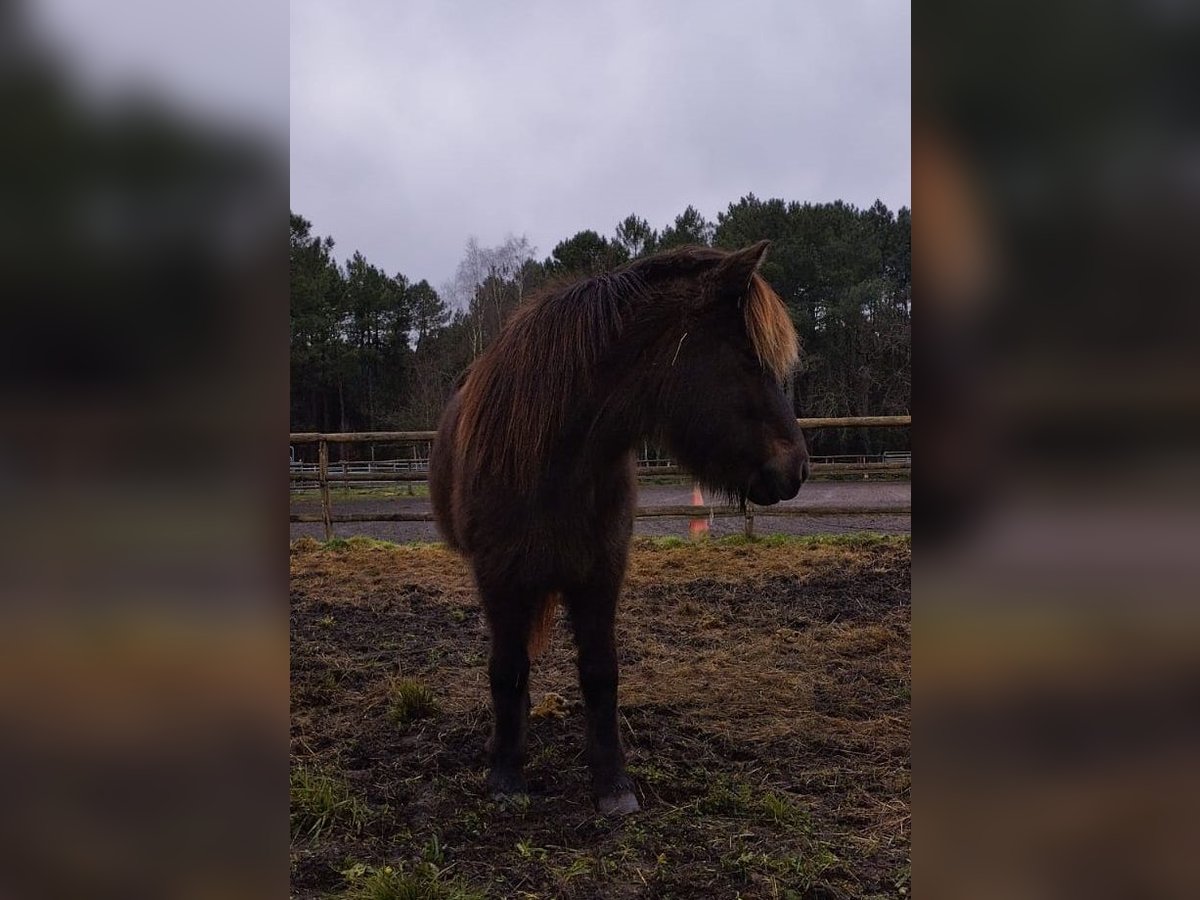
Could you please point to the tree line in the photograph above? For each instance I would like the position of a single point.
(372, 351)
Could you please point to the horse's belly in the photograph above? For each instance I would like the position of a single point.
(548, 548)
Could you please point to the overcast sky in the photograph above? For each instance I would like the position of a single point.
(415, 125)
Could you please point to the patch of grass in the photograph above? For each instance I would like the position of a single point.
(474, 658)
(424, 882)
(653, 773)
(580, 867)
(743, 862)
(516, 804)
(663, 543)
(356, 542)
(854, 540)
(727, 797)
(433, 852)
(740, 540)
(800, 873)
(807, 870)
(859, 540)
(362, 542)
(527, 850)
(783, 811)
(470, 823)
(409, 701)
(319, 801)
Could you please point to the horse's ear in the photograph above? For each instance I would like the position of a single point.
(734, 273)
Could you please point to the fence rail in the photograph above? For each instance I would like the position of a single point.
(644, 512)
(312, 475)
(324, 477)
(400, 437)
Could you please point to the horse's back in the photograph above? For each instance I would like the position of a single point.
(442, 465)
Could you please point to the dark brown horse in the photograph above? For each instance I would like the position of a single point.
(532, 472)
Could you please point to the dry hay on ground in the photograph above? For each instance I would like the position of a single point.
(764, 701)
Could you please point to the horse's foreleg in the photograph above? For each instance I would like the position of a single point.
(593, 618)
(508, 674)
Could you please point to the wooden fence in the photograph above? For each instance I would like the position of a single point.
(324, 477)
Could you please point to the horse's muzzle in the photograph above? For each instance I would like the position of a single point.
(779, 479)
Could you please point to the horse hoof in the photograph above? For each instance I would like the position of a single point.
(619, 803)
(506, 785)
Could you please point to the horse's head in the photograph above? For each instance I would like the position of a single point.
(724, 413)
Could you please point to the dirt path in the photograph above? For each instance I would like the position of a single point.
(816, 493)
(765, 708)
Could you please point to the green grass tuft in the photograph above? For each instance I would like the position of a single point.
(808, 870)
(860, 540)
(424, 882)
(726, 797)
(318, 801)
(409, 701)
(800, 874)
(856, 540)
(663, 543)
(527, 850)
(783, 811)
(731, 798)
(361, 542)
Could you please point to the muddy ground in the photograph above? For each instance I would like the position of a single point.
(875, 492)
(765, 708)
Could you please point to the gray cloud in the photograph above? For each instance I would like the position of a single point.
(415, 125)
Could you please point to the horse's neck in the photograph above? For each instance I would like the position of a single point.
(621, 415)
(620, 411)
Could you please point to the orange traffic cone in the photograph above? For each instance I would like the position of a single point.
(698, 527)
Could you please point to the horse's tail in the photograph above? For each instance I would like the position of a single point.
(543, 622)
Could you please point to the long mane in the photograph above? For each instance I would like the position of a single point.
(515, 399)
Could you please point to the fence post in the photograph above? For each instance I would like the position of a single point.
(749, 519)
(323, 480)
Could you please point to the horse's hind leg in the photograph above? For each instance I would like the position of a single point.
(508, 674)
(593, 610)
